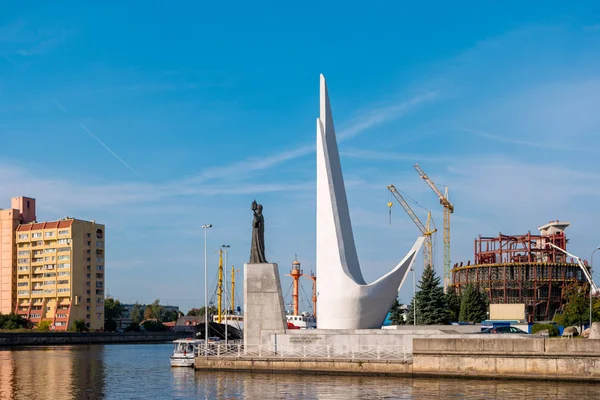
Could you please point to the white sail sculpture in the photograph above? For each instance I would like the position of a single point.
(345, 300)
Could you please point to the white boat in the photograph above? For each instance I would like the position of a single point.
(184, 352)
(304, 321)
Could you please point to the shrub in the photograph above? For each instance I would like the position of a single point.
(13, 321)
(153, 326)
(79, 326)
(552, 329)
(110, 325)
(43, 326)
(133, 327)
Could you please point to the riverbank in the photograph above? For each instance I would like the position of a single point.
(69, 338)
(495, 358)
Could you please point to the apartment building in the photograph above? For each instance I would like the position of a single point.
(21, 211)
(58, 272)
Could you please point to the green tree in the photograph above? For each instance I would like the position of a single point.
(430, 300)
(113, 309)
(396, 314)
(576, 311)
(110, 325)
(169, 316)
(136, 313)
(43, 326)
(79, 326)
(473, 305)
(154, 311)
(453, 301)
(410, 313)
(198, 312)
(14, 321)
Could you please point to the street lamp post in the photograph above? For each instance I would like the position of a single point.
(591, 274)
(226, 247)
(206, 228)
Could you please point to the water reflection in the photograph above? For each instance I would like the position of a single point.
(52, 373)
(143, 371)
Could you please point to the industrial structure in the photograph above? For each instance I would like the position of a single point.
(448, 209)
(522, 269)
(425, 229)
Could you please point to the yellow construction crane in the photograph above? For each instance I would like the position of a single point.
(425, 229)
(448, 209)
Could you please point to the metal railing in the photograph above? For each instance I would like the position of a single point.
(308, 351)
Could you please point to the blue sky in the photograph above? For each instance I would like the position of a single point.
(212, 106)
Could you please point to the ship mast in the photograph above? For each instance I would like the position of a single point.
(313, 277)
(233, 288)
(220, 288)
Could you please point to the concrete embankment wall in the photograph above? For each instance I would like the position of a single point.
(507, 358)
(68, 338)
(533, 358)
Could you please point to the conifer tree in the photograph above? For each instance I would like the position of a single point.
(430, 301)
(473, 305)
(396, 315)
(453, 301)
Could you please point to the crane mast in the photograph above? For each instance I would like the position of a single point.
(448, 209)
(425, 229)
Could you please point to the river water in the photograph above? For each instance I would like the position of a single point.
(143, 372)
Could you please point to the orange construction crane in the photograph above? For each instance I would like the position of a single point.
(425, 229)
(448, 209)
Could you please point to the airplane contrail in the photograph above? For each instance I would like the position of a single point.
(112, 152)
(102, 143)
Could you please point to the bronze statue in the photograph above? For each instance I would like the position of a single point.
(257, 251)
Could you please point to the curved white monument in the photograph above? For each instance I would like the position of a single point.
(345, 300)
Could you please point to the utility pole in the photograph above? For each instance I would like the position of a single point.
(206, 228)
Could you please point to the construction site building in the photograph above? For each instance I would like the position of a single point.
(522, 269)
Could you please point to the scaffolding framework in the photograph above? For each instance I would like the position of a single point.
(521, 270)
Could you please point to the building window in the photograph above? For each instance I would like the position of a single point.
(60, 323)
(88, 300)
(23, 268)
(89, 243)
(88, 308)
(99, 276)
(21, 284)
(99, 244)
(99, 259)
(64, 273)
(87, 316)
(50, 275)
(64, 265)
(99, 267)
(48, 283)
(63, 249)
(63, 241)
(89, 251)
(49, 234)
(88, 283)
(99, 285)
(23, 252)
(23, 236)
(23, 261)
(88, 292)
(49, 250)
(64, 257)
(35, 315)
(63, 282)
(36, 235)
(89, 235)
(89, 259)
(63, 232)
(64, 290)
(100, 292)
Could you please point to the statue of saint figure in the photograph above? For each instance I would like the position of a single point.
(257, 251)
